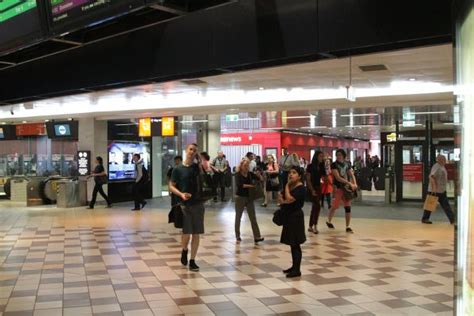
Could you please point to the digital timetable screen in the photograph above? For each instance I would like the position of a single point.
(68, 15)
(20, 23)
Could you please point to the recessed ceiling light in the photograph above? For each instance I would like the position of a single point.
(412, 79)
(4, 123)
(46, 121)
(24, 122)
(261, 88)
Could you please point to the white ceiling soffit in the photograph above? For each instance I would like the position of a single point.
(420, 76)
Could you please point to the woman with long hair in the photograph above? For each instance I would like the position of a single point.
(315, 172)
(272, 183)
(293, 235)
(344, 180)
(245, 180)
(100, 178)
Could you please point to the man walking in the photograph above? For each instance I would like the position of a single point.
(286, 162)
(437, 186)
(220, 166)
(183, 184)
(141, 178)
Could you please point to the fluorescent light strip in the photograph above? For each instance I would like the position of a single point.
(196, 121)
(115, 102)
(361, 114)
(424, 113)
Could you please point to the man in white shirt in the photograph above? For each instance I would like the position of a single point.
(437, 186)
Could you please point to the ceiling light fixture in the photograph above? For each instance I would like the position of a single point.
(429, 112)
(350, 91)
(412, 79)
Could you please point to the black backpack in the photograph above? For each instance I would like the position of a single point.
(145, 174)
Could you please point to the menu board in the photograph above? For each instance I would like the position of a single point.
(69, 15)
(20, 23)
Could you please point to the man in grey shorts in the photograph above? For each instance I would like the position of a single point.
(184, 186)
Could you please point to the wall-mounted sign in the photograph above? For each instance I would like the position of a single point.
(144, 127)
(408, 123)
(84, 162)
(232, 117)
(35, 129)
(167, 126)
(392, 137)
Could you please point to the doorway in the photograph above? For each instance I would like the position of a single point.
(410, 162)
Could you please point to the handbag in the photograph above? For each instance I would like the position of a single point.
(274, 181)
(349, 194)
(431, 202)
(277, 218)
(256, 192)
(101, 180)
(176, 216)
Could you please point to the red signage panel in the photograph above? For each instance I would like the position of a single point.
(413, 172)
(33, 129)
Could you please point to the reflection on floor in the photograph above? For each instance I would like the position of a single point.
(117, 262)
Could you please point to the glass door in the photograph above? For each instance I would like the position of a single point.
(409, 170)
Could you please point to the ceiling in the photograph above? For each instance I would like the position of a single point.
(413, 80)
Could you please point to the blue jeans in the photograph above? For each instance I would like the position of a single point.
(443, 201)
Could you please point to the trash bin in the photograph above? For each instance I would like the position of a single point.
(33, 192)
(18, 190)
(71, 193)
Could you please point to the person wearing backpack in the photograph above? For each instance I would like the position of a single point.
(141, 178)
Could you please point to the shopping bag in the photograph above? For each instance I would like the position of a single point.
(430, 203)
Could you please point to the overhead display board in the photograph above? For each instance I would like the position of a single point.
(69, 15)
(20, 24)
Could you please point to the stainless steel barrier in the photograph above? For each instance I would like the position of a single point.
(71, 193)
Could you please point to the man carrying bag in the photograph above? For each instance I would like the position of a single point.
(437, 191)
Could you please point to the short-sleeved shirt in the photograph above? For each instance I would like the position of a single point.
(185, 178)
(288, 161)
(441, 177)
(317, 172)
(240, 180)
(98, 169)
(343, 169)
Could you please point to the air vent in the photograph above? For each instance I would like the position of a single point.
(194, 82)
(368, 68)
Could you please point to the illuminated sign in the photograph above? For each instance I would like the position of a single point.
(392, 137)
(232, 117)
(167, 126)
(84, 163)
(144, 127)
(34, 129)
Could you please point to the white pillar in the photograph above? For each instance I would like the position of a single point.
(214, 134)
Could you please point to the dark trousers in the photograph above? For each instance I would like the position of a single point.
(98, 189)
(443, 201)
(327, 197)
(316, 207)
(138, 189)
(283, 179)
(219, 182)
(296, 255)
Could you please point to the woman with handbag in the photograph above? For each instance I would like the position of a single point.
(272, 183)
(292, 201)
(245, 182)
(100, 178)
(345, 188)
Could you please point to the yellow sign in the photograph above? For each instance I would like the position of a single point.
(144, 127)
(392, 137)
(167, 126)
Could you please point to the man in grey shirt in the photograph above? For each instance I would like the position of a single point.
(287, 161)
(437, 186)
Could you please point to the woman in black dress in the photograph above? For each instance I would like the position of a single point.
(292, 201)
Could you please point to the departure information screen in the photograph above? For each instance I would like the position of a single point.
(19, 23)
(67, 15)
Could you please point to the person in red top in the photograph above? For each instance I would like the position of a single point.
(327, 187)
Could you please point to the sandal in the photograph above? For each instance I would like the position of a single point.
(264, 205)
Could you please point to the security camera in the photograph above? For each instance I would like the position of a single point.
(11, 111)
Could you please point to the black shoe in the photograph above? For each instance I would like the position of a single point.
(330, 225)
(426, 221)
(349, 230)
(223, 200)
(288, 270)
(109, 206)
(184, 257)
(293, 274)
(143, 204)
(259, 240)
(89, 208)
(264, 205)
(215, 199)
(238, 239)
(193, 266)
(135, 209)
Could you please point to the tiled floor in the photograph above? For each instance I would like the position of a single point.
(117, 262)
